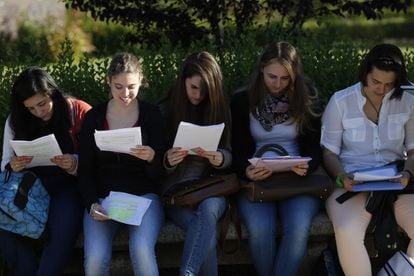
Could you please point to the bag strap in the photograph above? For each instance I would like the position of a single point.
(271, 147)
(7, 174)
(21, 198)
(345, 196)
(231, 215)
(72, 111)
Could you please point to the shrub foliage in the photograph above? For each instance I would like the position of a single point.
(331, 64)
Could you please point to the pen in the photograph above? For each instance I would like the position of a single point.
(101, 214)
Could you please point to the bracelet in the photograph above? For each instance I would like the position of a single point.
(340, 180)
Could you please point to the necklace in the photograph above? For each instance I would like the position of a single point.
(377, 110)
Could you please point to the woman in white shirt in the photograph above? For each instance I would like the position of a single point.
(368, 124)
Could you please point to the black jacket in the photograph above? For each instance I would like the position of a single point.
(101, 171)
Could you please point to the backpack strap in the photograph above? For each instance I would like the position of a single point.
(21, 198)
(72, 111)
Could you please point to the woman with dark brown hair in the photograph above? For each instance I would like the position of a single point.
(367, 125)
(39, 108)
(197, 97)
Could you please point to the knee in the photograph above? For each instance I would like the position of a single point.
(298, 232)
(143, 252)
(348, 234)
(96, 265)
(259, 230)
(213, 206)
(142, 257)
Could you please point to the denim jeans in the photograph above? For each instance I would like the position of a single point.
(100, 234)
(199, 254)
(63, 226)
(295, 215)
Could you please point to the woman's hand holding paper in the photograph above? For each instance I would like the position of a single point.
(66, 162)
(301, 169)
(98, 212)
(349, 181)
(175, 156)
(18, 163)
(404, 179)
(257, 173)
(214, 157)
(145, 153)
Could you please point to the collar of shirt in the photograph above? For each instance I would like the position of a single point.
(362, 100)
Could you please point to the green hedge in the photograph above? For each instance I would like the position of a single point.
(331, 64)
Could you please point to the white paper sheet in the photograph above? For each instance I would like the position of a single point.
(407, 87)
(42, 149)
(126, 208)
(190, 136)
(376, 174)
(118, 140)
(377, 179)
(279, 163)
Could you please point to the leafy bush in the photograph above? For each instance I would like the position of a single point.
(330, 63)
(32, 46)
(190, 20)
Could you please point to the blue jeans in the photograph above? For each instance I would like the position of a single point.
(296, 215)
(63, 226)
(100, 234)
(199, 254)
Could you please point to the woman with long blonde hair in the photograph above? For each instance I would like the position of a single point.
(276, 107)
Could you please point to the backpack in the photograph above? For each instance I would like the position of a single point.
(24, 204)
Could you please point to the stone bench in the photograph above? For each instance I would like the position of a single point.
(170, 242)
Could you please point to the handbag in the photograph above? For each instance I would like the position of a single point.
(283, 185)
(400, 264)
(190, 193)
(24, 204)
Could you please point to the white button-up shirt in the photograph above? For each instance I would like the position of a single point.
(360, 143)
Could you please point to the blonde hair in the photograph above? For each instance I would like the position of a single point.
(299, 90)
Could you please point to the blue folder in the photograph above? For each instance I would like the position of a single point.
(382, 185)
(377, 186)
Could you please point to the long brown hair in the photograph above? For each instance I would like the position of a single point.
(299, 90)
(204, 65)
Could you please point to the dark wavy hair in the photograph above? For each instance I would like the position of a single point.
(25, 125)
(385, 57)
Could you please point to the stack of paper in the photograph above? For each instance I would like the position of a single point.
(118, 140)
(377, 179)
(279, 163)
(407, 87)
(126, 208)
(190, 136)
(42, 149)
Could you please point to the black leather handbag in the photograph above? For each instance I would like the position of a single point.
(195, 181)
(283, 185)
(191, 193)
